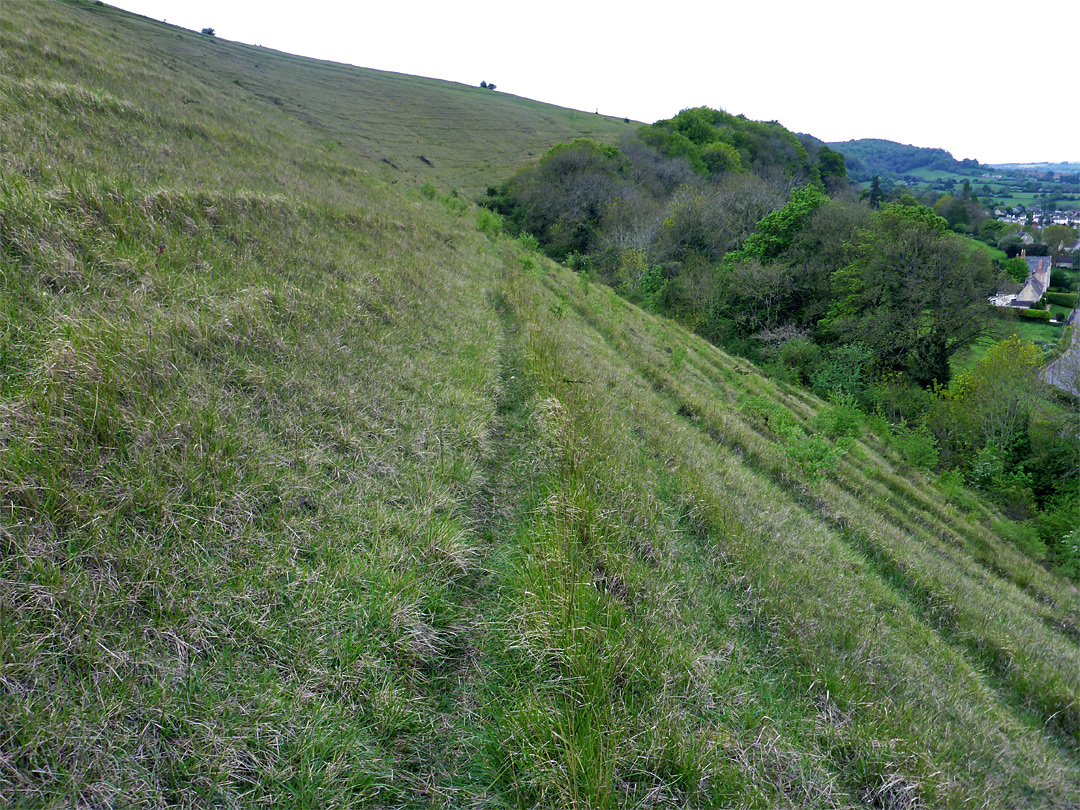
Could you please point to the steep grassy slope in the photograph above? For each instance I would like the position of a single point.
(315, 493)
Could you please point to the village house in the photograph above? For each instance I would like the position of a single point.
(1037, 282)
(1064, 255)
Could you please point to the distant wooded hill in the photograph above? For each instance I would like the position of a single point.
(867, 157)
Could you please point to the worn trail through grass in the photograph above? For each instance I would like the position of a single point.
(315, 490)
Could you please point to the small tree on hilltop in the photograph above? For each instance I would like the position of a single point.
(208, 31)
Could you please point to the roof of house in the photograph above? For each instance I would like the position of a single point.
(1039, 267)
(1032, 292)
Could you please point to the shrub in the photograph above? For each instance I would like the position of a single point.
(455, 204)
(1059, 279)
(208, 31)
(558, 309)
(1010, 490)
(815, 454)
(951, 484)
(1034, 314)
(844, 369)
(650, 288)
(987, 469)
(800, 356)
(1024, 536)
(1057, 529)
(879, 425)
(766, 414)
(1016, 269)
(843, 419)
(531, 266)
(896, 398)
(1061, 299)
(428, 191)
(488, 222)
(1067, 555)
(916, 446)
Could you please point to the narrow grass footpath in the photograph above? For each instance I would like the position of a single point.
(500, 505)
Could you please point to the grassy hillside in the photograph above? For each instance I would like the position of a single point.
(317, 491)
(397, 127)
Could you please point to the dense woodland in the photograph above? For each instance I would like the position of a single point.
(756, 240)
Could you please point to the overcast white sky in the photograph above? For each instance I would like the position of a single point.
(991, 80)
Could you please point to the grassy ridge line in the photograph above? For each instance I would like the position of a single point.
(381, 121)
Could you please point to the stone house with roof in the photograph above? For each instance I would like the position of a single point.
(1037, 282)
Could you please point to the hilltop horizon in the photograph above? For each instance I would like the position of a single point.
(615, 59)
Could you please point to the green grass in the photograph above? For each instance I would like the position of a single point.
(1000, 328)
(992, 252)
(1001, 192)
(315, 490)
(1033, 330)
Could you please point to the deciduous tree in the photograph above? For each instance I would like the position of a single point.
(915, 293)
(998, 395)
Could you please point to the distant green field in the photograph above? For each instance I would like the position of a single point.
(995, 253)
(939, 174)
(1018, 198)
(1002, 192)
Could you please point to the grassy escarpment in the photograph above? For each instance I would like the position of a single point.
(224, 97)
(315, 494)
